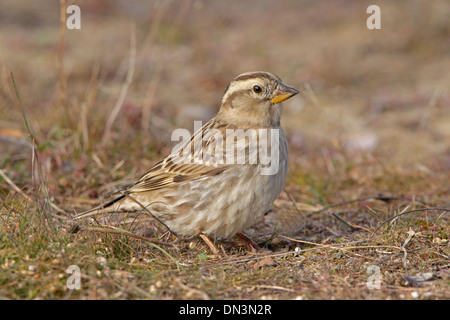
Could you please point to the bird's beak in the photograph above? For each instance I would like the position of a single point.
(283, 92)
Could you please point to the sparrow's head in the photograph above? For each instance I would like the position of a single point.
(254, 99)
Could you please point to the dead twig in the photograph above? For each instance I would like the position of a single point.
(115, 230)
(14, 186)
(407, 212)
(381, 197)
(349, 224)
(151, 214)
(338, 246)
(293, 203)
(296, 252)
(43, 182)
(411, 234)
(192, 292)
(123, 91)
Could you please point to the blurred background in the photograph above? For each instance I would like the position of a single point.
(102, 101)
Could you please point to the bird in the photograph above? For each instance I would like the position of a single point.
(226, 176)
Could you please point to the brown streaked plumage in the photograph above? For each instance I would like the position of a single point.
(212, 196)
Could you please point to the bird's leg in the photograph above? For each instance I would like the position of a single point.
(210, 244)
(249, 242)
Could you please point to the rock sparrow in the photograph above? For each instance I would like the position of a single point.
(227, 175)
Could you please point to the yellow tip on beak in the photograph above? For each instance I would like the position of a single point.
(284, 92)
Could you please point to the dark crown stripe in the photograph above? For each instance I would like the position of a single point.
(253, 75)
(258, 74)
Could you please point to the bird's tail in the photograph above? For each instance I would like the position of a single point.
(104, 208)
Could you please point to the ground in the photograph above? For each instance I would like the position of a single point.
(365, 210)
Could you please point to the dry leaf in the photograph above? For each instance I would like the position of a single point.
(265, 262)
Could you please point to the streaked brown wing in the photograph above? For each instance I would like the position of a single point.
(168, 172)
(153, 181)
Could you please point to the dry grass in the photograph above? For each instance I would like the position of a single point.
(369, 147)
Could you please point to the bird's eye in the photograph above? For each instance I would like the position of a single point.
(257, 89)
